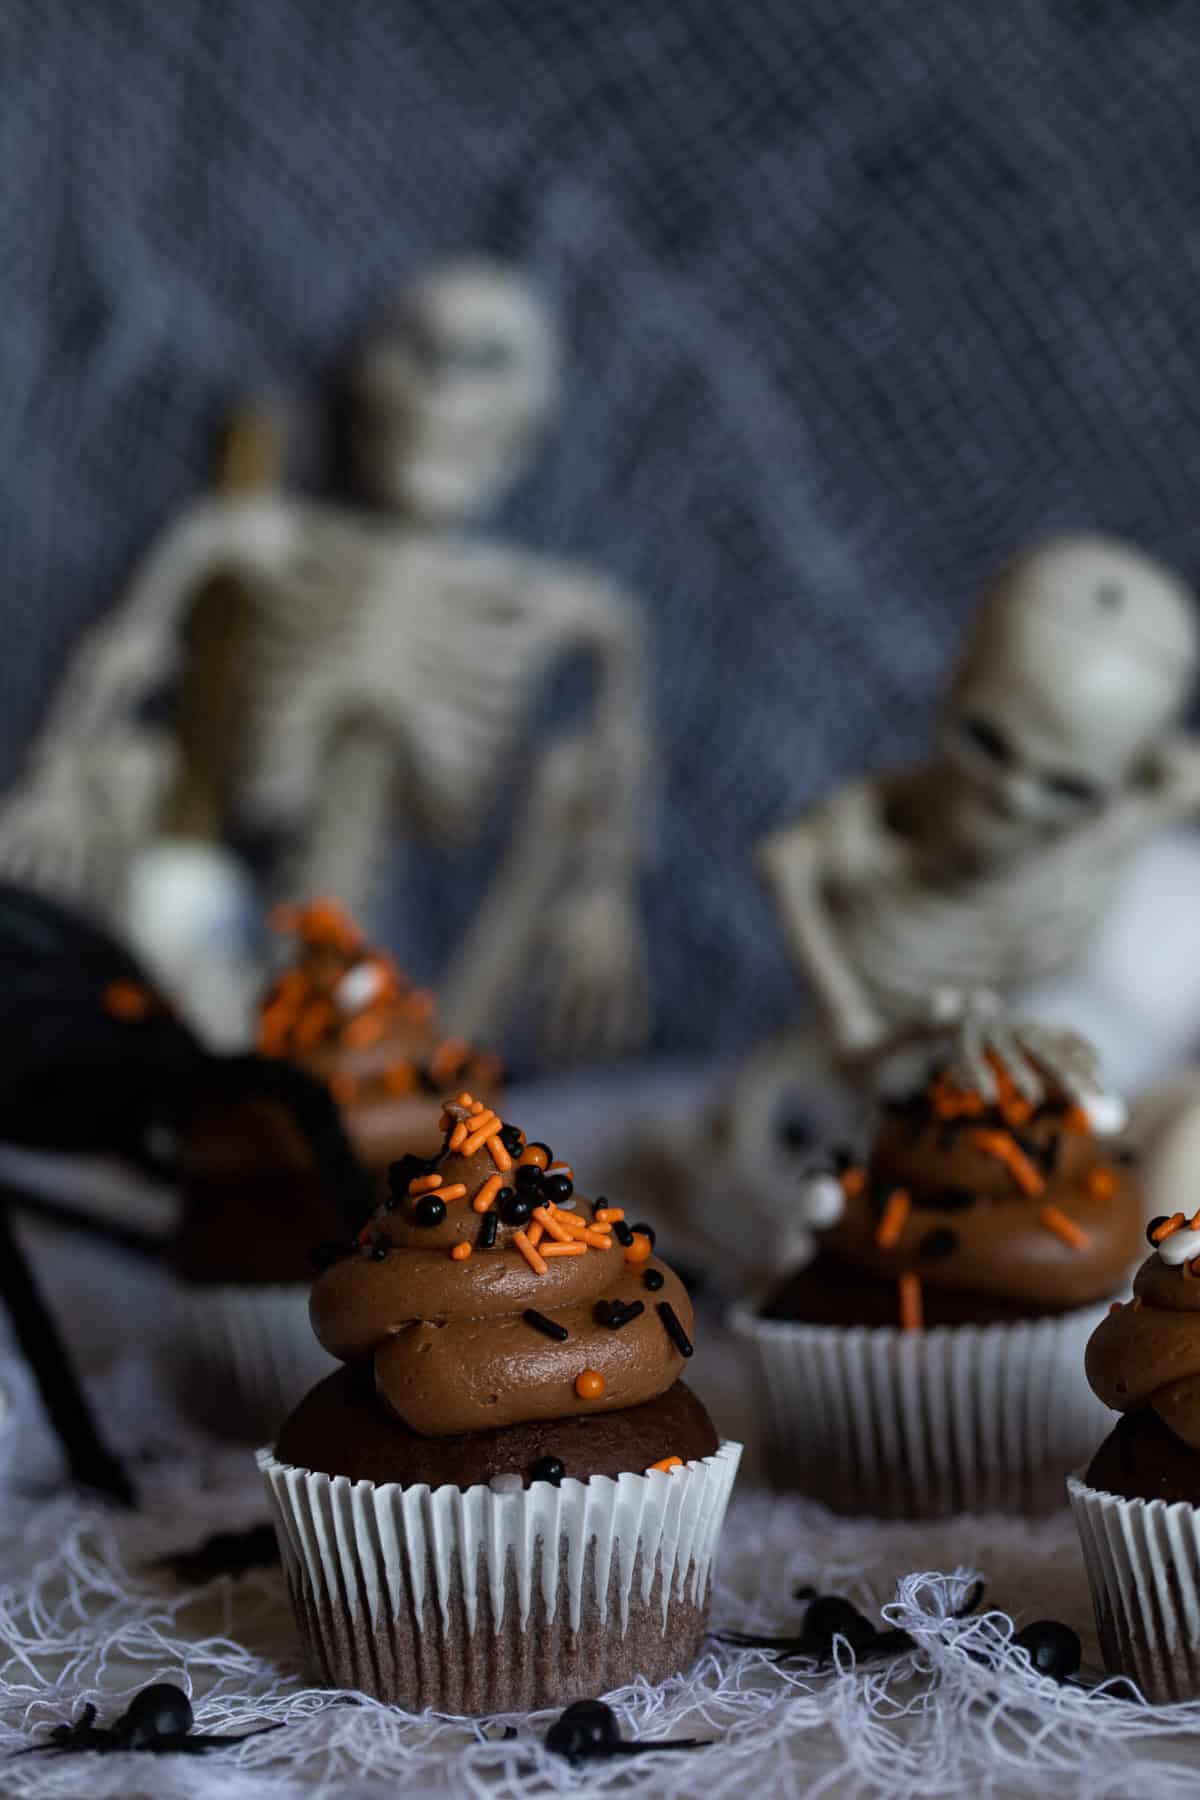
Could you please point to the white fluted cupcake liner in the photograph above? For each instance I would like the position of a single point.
(243, 1355)
(921, 1424)
(484, 1601)
(1143, 1564)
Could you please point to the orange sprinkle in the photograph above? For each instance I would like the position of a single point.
(455, 1191)
(422, 1184)
(1076, 1119)
(570, 1223)
(854, 1181)
(343, 1087)
(533, 1156)
(498, 1153)
(485, 1198)
(912, 1311)
(536, 1263)
(599, 1240)
(547, 1218)
(448, 1058)
(1115, 1307)
(477, 1106)
(572, 1249)
(366, 1028)
(589, 1384)
(460, 1252)
(488, 1126)
(399, 1078)
(1167, 1227)
(668, 1462)
(640, 1249)
(458, 1137)
(313, 1024)
(128, 1000)
(608, 1215)
(535, 1234)
(1057, 1221)
(1006, 1150)
(465, 1099)
(887, 1232)
(1101, 1183)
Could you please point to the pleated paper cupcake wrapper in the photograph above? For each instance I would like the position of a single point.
(1143, 1564)
(922, 1424)
(243, 1355)
(489, 1601)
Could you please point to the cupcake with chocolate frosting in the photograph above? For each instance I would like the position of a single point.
(925, 1361)
(256, 1205)
(1138, 1505)
(506, 1475)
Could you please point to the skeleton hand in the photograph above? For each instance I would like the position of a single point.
(594, 975)
(1176, 772)
(1035, 1056)
(859, 1035)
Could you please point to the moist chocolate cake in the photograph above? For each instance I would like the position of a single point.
(504, 1343)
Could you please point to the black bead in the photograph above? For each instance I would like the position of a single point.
(158, 1712)
(586, 1728)
(1153, 1226)
(653, 1279)
(518, 1209)
(936, 1244)
(1054, 1649)
(510, 1137)
(379, 1252)
(529, 1178)
(487, 1231)
(548, 1468)
(646, 1231)
(429, 1210)
(557, 1188)
(622, 1232)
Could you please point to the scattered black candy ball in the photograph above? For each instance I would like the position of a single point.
(429, 1210)
(529, 1178)
(548, 1468)
(557, 1188)
(517, 1209)
(653, 1279)
(1054, 1649)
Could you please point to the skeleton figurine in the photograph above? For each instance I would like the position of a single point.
(385, 669)
(908, 901)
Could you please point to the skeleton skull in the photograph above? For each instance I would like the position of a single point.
(1083, 655)
(452, 389)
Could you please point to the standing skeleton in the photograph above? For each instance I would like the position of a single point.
(917, 900)
(384, 676)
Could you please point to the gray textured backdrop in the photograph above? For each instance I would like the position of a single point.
(861, 293)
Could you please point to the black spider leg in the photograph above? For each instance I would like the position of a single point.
(893, 1642)
(195, 1743)
(84, 1734)
(90, 1461)
(315, 1111)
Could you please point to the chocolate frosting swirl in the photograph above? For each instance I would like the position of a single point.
(1001, 1198)
(452, 1347)
(1147, 1351)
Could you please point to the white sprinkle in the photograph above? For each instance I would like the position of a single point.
(1107, 1113)
(358, 987)
(1180, 1247)
(822, 1200)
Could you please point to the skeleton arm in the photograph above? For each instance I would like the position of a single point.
(843, 837)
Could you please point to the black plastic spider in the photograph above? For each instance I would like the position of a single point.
(159, 1719)
(829, 1616)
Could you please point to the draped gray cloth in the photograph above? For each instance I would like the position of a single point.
(860, 295)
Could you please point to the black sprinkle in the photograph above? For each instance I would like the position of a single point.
(1050, 1150)
(548, 1468)
(621, 1232)
(653, 1279)
(429, 1210)
(510, 1137)
(487, 1231)
(603, 1310)
(951, 1199)
(621, 1315)
(1153, 1226)
(675, 1331)
(646, 1231)
(406, 1169)
(939, 1243)
(550, 1327)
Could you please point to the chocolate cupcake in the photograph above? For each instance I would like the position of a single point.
(255, 1202)
(505, 1497)
(1138, 1505)
(925, 1361)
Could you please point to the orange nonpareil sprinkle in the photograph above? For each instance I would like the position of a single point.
(887, 1232)
(458, 1137)
(1101, 1183)
(536, 1262)
(423, 1184)
(533, 1156)
(668, 1462)
(455, 1191)
(486, 1197)
(1055, 1220)
(572, 1249)
(912, 1311)
(460, 1252)
(589, 1384)
(545, 1217)
(498, 1153)
(640, 1249)
(1006, 1150)
(1174, 1223)
(128, 1000)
